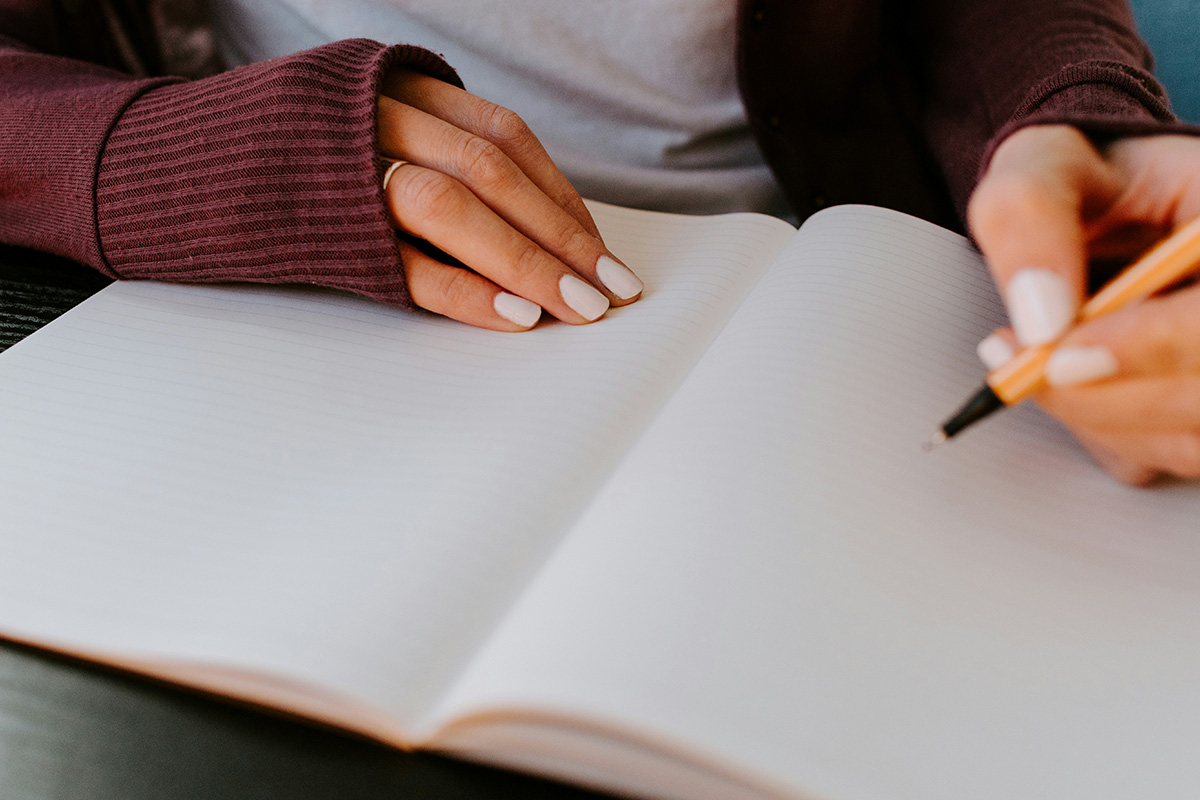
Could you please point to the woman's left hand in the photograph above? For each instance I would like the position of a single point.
(1052, 206)
(475, 183)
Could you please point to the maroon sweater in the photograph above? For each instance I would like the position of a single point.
(268, 172)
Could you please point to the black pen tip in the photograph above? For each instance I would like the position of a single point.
(982, 404)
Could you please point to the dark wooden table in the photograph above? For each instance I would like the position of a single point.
(72, 731)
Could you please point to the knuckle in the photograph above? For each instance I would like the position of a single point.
(505, 126)
(579, 246)
(527, 264)
(1001, 200)
(992, 203)
(427, 194)
(482, 162)
(572, 202)
(457, 290)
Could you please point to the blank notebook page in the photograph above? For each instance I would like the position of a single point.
(781, 579)
(304, 483)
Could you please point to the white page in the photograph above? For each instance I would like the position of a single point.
(308, 484)
(778, 578)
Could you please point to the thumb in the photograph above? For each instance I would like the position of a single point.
(1028, 217)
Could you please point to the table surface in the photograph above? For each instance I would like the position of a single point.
(72, 730)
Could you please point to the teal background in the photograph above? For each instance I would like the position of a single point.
(1172, 29)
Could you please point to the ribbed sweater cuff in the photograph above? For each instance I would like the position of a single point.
(1105, 100)
(267, 173)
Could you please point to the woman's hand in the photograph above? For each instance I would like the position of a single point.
(479, 186)
(1050, 207)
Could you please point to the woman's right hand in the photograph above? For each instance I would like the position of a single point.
(1127, 384)
(479, 186)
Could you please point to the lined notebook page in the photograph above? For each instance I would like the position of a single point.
(309, 484)
(780, 579)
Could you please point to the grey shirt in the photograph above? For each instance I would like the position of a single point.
(636, 100)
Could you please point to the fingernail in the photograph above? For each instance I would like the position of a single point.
(582, 298)
(1068, 366)
(994, 351)
(1040, 305)
(517, 310)
(618, 278)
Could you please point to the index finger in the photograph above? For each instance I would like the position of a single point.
(500, 126)
(427, 141)
(1027, 215)
(437, 208)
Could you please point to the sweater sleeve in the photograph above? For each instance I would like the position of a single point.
(55, 116)
(994, 66)
(265, 173)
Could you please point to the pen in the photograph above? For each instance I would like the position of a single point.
(1024, 374)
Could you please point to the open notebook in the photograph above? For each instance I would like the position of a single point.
(692, 551)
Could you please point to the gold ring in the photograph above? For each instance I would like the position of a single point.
(395, 165)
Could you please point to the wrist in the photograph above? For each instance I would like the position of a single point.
(266, 173)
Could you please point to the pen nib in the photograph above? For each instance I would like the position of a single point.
(934, 441)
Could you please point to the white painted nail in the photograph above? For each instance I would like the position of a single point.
(1068, 366)
(994, 351)
(1040, 305)
(583, 299)
(618, 278)
(517, 310)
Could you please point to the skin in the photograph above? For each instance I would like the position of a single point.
(476, 166)
(1049, 199)
(1053, 200)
